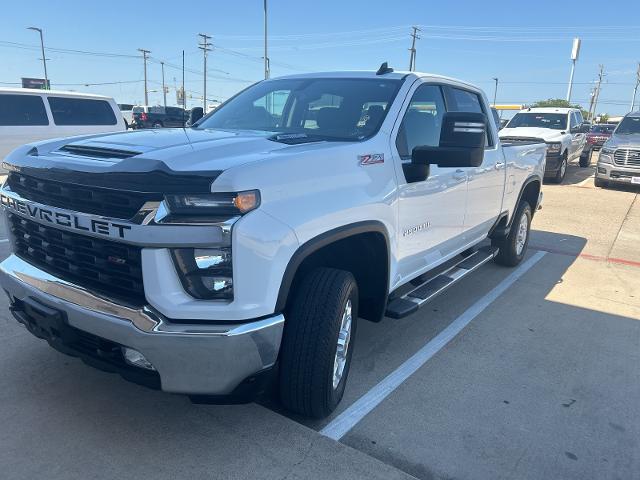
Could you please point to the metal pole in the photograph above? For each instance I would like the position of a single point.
(146, 91)
(204, 46)
(573, 67)
(635, 89)
(184, 94)
(412, 56)
(44, 59)
(495, 92)
(266, 52)
(164, 90)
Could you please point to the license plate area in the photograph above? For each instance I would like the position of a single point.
(635, 180)
(43, 321)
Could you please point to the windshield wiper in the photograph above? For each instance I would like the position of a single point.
(299, 138)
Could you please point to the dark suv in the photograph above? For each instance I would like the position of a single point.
(158, 117)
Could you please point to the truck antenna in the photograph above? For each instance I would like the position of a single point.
(384, 68)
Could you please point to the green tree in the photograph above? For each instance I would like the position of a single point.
(604, 118)
(559, 103)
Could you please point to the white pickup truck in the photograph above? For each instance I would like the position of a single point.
(562, 129)
(214, 260)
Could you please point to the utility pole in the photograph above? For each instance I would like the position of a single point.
(164, 89)
(44, 59)
(146, 91)
(495, 92)
(412, 56)
(267, 67)
(575, 52)
(635, 89)
(592, 97)
(205, 47)
(595, 100)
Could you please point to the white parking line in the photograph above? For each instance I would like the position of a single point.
(343, 423)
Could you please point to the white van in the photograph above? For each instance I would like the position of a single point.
(28, 115)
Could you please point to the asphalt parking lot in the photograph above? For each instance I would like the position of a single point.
(540, 379)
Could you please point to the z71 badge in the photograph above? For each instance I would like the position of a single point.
(371, 158)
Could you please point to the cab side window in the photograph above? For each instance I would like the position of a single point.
(574, 120)
(422, 121)
(460, 100)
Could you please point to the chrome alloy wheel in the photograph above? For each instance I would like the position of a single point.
(563, 168)
(521, 237)
(344, 337)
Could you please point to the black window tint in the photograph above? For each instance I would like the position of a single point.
(464, 101)
(422, 121)
(81, 111)
(19, 110)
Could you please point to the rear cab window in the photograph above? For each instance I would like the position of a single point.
(22, 110)
(81, 111)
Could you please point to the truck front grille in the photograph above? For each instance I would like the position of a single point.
(79, 198)
(627, 157)
(103, 266)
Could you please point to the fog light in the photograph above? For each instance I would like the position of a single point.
(602, 170)
(136, 359)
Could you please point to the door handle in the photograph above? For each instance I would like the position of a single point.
(499, 165)
(459, 175)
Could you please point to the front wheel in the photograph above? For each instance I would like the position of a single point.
(317, 343)
(562, 171)
(513, 247)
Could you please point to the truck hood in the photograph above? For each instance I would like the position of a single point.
(547, 134)
(623, 140)
(163, 159)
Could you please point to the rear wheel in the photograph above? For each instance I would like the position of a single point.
(513, 247)
(317, 344)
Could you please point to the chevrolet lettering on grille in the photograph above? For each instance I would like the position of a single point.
(64, 219)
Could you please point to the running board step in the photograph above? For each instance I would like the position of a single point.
(410, 302)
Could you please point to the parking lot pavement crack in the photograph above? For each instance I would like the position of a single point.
(622, 225)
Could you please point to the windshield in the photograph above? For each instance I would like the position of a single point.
(628, 125)
(602, 128)
(556, 121)
(318, 108)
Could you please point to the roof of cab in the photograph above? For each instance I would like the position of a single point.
(549, 110)
(59, 93)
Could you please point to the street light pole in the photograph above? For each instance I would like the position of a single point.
(495, 91)
(266, 52)
(164, 90)
(44, 59)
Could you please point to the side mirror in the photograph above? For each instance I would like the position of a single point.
(462, 141)
(195, 114)
(585, 128)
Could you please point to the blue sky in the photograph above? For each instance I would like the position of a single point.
(525, 44)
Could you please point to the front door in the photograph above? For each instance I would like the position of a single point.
(431, 207)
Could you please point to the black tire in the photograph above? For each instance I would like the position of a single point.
(508, 254)
(600, 183)
(157, 125)
(585, 160)
(310, 342)
(562, 172)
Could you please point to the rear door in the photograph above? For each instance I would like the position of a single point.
(430, 210)
(485, 184)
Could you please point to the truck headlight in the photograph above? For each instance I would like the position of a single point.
(554, 147)
(213, 204)
(606, 155)
(205, 273)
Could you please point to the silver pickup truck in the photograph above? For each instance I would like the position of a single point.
(619, 160)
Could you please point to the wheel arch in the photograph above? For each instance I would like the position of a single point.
(361, 248)
(529, 191)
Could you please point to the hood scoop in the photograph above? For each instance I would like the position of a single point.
(98, 152)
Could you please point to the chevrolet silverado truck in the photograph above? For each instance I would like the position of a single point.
(562, 129)
(240, 253)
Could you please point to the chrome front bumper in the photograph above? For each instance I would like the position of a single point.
(198, 359)
(617, 173)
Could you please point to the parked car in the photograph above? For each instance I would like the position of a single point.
(193, 260)
(619, 159)
(127, 113)
(598, 134)
(158, 117)
(561, 128)
(28, 115)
